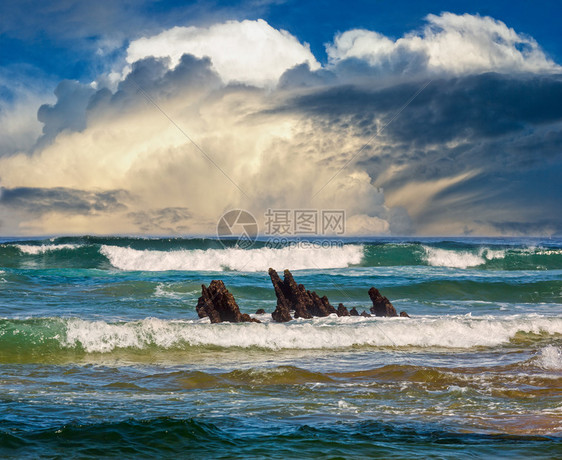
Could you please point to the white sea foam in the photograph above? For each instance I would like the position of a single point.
(451, 258)
(550, 358)
(324, 333)
(162, 291)
(460, 259)
(249, 260)
(35, 250)
(491, 254)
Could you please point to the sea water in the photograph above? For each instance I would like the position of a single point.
(103, 354)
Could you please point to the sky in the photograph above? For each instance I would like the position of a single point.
(157, 117)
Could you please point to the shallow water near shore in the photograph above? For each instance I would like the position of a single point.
(102, 352)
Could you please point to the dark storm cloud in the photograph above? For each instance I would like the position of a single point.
(38, 200)
(68, 113)
(503, 131)
(455, 125)
(152, 74)
(166, 220)
(150, 77)
(476, 106)
(301, 76)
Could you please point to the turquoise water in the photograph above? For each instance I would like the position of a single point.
(102, 352)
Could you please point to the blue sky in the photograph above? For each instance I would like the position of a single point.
(264, 86)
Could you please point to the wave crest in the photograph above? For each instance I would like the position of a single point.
(35, 250)
(324, 333)
(550, 358)
(249, 260)
(460, 259)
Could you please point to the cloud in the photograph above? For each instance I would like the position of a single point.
(37, 200)
(278, 160)
(68, 113)
(166, 221)
(449, 43)
(456, 114)
(475, 151)
(250, 52)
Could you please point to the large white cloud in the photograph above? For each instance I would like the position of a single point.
(250, 52)
(279, 160)
(450, 43)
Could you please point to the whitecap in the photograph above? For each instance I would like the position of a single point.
(35, 250)
(249, 260)
(550, 358)
(322, 333)
(450, 258)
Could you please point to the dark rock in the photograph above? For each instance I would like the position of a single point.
(365, 314)
(302, 303)
(260, 311)
(381, 305)
(403, 314)
(294, 297)
(327, 305)
(317, 306)
(245, 318)
(205, 307)
(353, 312)
(282, 313)
(218, 304)
(342, 311)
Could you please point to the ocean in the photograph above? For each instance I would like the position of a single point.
(102, 353)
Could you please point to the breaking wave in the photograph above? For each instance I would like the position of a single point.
(550, 358)
(48, 335)
(209, 254)
(35, 250)
(460, 259)
(250, 260)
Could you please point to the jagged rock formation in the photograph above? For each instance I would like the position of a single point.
(294, 297)
(381, 305)
(218, 304)
(282, 313)
(342, 311)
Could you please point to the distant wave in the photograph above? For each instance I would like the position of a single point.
(34, 250)
(250, 260)
(326, 333)
(460, 259)
(210, 255)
